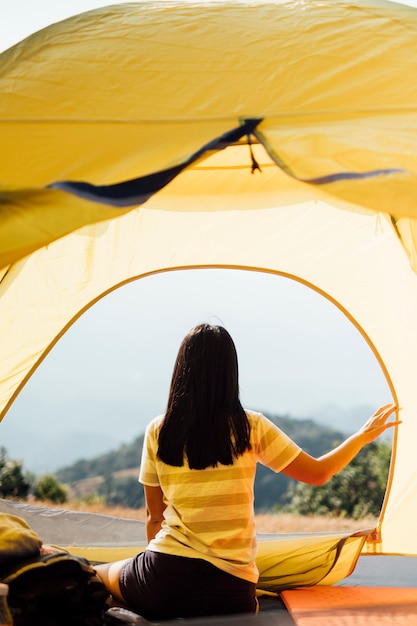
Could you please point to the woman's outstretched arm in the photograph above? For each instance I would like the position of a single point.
(308, 469)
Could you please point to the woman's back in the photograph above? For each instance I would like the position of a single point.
(210, 512)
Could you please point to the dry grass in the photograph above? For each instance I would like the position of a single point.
(265, 522)
(289, 523)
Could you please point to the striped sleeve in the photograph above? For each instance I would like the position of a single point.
(148, 474)
(274, 448)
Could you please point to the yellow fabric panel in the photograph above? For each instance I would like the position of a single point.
(346, 563)
(32, 218)
(356, 143)
(306, 560)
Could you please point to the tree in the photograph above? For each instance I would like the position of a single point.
(13, 482)
(123, 491)
(355, 492)
(48, 488)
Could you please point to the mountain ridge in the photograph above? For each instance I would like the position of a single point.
(119, 486)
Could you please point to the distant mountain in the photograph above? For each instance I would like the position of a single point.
(114, 474)
(126, 456)
(46, 448)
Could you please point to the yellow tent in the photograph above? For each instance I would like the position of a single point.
(276, 136)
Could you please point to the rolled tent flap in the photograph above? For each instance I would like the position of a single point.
(323, 190)
(304, 561)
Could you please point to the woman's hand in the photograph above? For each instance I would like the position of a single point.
(318, 471)
(377, 424)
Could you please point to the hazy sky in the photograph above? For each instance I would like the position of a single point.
(109, 375)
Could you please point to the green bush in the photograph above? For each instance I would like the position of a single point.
(14, 483)
(48, 488)
(356, 492)
(122, 491)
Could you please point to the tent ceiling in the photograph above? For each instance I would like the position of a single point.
(128, 90)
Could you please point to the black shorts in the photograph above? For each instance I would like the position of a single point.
(163, 586)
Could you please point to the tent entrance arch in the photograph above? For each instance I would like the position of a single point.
(355, 257)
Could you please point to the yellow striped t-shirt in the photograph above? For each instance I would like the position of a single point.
(209, 513)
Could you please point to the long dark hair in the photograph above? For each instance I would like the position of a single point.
(204, 419)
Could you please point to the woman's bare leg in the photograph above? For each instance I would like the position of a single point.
(109, 573)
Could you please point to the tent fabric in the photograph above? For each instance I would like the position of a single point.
(131, 91)
(318, 559)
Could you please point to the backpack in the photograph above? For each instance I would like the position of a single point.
(54, 589)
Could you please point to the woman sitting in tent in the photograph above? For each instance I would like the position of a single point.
(198, 470)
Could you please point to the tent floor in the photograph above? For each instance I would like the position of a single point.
(273, 612)
(262, 619)
(371, 571)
